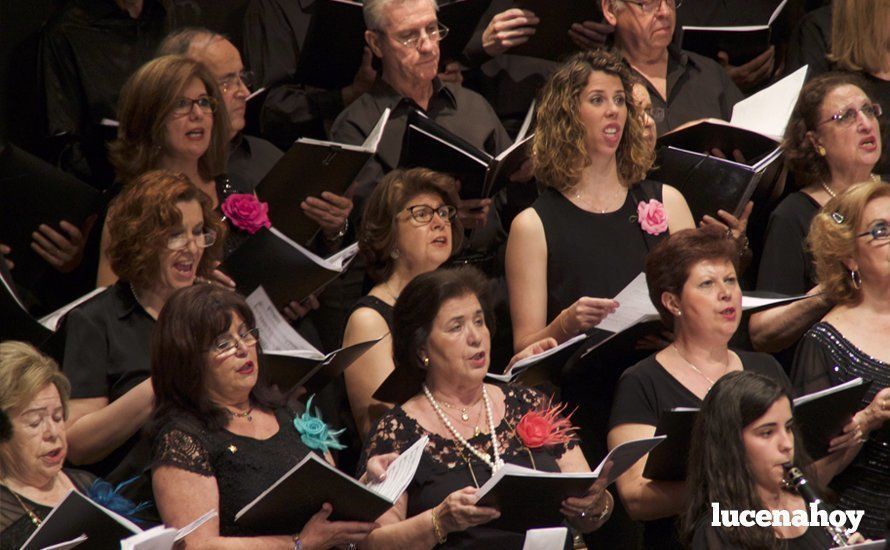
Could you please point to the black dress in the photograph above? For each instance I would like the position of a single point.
(243, 466)
(824, 359)
(445, 468)
(15, 523)
(707, 537)
(647, 389)
(378, 305)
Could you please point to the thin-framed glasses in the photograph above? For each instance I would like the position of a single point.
(415, 39)
(233, 81)
(878, 232)
(205, 239)
(226, 345)
(423, 213)
(848, 117)
(183, 105)
(649, 6)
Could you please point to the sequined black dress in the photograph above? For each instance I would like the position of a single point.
(825, 358)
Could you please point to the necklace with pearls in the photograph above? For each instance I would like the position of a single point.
(494, 462)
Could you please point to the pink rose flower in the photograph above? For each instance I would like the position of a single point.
(246, 212)
(653, 218)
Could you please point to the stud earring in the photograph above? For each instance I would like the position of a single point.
(426, 362)
(394, 254)
(821, 150)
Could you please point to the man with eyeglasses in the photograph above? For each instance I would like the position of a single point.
(684, 86)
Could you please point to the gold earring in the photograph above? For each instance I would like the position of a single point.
(821, 150)
(426, 362)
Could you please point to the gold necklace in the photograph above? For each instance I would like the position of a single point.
(585, 201)
(711, 382)
(35, 519)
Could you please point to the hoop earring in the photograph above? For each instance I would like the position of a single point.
(855, 279)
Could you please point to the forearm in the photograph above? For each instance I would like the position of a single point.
(649, 500)
(93, 436)
(243, 543)
(558, 329)
(778, 328)
(415, 532)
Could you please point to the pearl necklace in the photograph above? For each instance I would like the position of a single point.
(711, 382)
(494, 462)
(828, 190)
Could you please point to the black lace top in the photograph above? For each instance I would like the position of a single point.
(243, 466)
(15, 523)
(446, 468)
(824, 359)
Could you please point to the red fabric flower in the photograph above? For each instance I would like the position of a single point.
(246, 212)
(653, 218)
(546, 426)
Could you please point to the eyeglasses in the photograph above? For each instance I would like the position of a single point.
(183, 105)
(233, 81)
(870, 110)
(423, 214)
(228, 344)
(415, 39)
(879, 232)
(203, 240)
(649, 6)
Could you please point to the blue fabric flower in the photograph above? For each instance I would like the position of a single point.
(314, 432)
(102, 493)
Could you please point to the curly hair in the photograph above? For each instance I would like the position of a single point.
(379, 230)
(723, 472)
(800, 153)
(669, 263)
(559, 146)
(832, 241)
(146, 102)
(141, 218)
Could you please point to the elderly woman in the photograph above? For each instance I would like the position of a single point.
(222, 437)
(694, 285)
(33, 408)
(441, 348)
(831, 143)
(409, 228)
(171, 117)
(743, 441)
(163, 235)
(850, 239)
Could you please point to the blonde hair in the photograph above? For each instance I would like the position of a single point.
(559, 146)
(860, 35)
(832, 239)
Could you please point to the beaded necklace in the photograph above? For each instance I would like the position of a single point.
(494, 462)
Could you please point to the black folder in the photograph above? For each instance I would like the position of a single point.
(822, 419)
(77, 515)
(286, 272)
(286, 506)
(481, 175)
(667, 462)
(15, 321)
(289, 372)
(551, 40)
(741, 43)
(461, 17)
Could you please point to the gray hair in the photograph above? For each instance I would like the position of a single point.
(180, 42)
(373, 11)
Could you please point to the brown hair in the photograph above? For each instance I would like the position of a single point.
(860, 35)
(669, 263)
(146, 101)
(559, 145)
(800, 153)
(832, 239)
(378, 233)
(140, 220)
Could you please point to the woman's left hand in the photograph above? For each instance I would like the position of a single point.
(738, 226)
(593, 504)
(538, 347)
(375, 471)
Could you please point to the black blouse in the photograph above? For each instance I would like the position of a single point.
(786, 266)
(378, 305)
(445, 467)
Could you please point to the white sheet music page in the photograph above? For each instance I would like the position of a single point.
(400, 472)
(276, 334)
(550, 538)
(767, 112)
(634, 307)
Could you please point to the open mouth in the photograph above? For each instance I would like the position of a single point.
(184, 268)
(612, 132)
(246, 368)
(728, 312)
(53, 456)
(440, 241)
(478, 358)
(869, 143)
(197, 133)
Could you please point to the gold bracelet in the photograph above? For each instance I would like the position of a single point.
(562, 324)
(437, 529)
(606, 510)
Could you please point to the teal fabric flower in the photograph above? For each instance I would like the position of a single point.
(314, 432)
(103, 493)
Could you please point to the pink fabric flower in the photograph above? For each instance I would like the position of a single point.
(246, 212)
(653, 218)
(544, 427)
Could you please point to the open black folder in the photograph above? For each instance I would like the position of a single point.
(481, 175)
(78, 515)
(551, 39)
(289, 361)
(741, 43)
(309, 168)
(285, 269)
(529, 499)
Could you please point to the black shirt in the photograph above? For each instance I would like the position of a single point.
(786, 266)
(250, 160)
(707, 537)
(697, 87)
(810, 42)
(274, 32)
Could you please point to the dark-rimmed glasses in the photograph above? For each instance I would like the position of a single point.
(422, 214)
(203, 240)
(233, 81)
(226, 345)
(649, 6)
(870, 110)
(183, 105)
(415, 39)
(879, 232)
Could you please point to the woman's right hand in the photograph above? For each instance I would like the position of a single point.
(459, 512)
(585, 313)
(319, 533)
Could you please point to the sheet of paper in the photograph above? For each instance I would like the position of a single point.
(156, 538)
(634, 307)
(626, 455)
(401, 471)
(276, 334)
(767, 112)
(67, 544)
(51, 321)
(345, 256)
(188, 529)
(828, 391)
(551, 538)
(523, 364)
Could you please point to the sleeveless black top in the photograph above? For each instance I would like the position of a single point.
(378, 305)
(592, 254)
